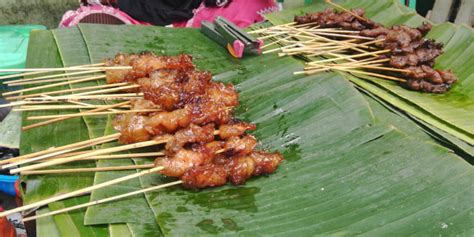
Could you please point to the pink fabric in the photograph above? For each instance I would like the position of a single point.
(241, 12)
(72, 18)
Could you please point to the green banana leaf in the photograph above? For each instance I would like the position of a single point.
(451, 112)
(45, 227)
(43, 52)
(73, 51)
(345, 172)
(71, 223)
(277, 78)
(11, 130)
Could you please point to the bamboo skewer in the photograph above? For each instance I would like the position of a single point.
(344, 36)
(349, 47)
(107, 97)
(80, 192)
(20, 160)
(84, 170)
(334, 41)
(51, 78)
(375, 75)
(67, 90)
(83, 156)
(61, 107)
(46, 156)
(66, 69)
(42, 72)
(105, 200)
(104, 91)
(47, 81)
(65, 118)
(92, 114)
(86, 104)
(345, 9)
(17, 103)
(350, 70)
(110, 157)
(104, 151)
(55, 149)
(54, 85)
(348, 57)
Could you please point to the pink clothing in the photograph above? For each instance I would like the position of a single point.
(72, 18)
(241, 12)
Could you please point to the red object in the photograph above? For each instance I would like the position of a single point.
(6, 228)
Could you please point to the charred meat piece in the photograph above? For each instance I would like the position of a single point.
(237, 129)
(240, 146)
(131, 128)
(208, 175)
(191, 134)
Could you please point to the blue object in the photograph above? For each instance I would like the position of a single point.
(8, 183)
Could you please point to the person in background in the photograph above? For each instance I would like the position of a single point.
(155, 12)
(190, 13)
(243, 13)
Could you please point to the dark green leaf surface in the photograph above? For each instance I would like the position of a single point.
(451, 112)
(349, 169)
(71, 224)
(74, 52)
(43, 52)
(45, 227)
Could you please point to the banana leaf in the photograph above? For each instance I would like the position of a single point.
(45, 227)
(450, 112)
(73, 52)
(43, 52)
(11, 130)
(277, 77)
(71, 223)
(344, 173)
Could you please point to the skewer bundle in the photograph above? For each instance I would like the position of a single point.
(352, 43)
(182, 114)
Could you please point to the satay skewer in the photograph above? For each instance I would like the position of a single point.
(346, 10)
(48, 81)
(103, 151)
(81, 191)
(54, 85)
(83, 114)
(68, 90)
(71, 152)
(345, 57)
(42, 72)
(146, 155)
(43, 123)
(350, 70)
(86, 170)
(105, 200)
(106, 97)
(54, 153)
(51, 78)
(89, 142)
(93, 153)
(66, 69)
(60, 107)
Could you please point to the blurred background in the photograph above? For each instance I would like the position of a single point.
(33, 11)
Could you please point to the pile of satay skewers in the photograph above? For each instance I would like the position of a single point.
(351, 43)
(176, 110)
